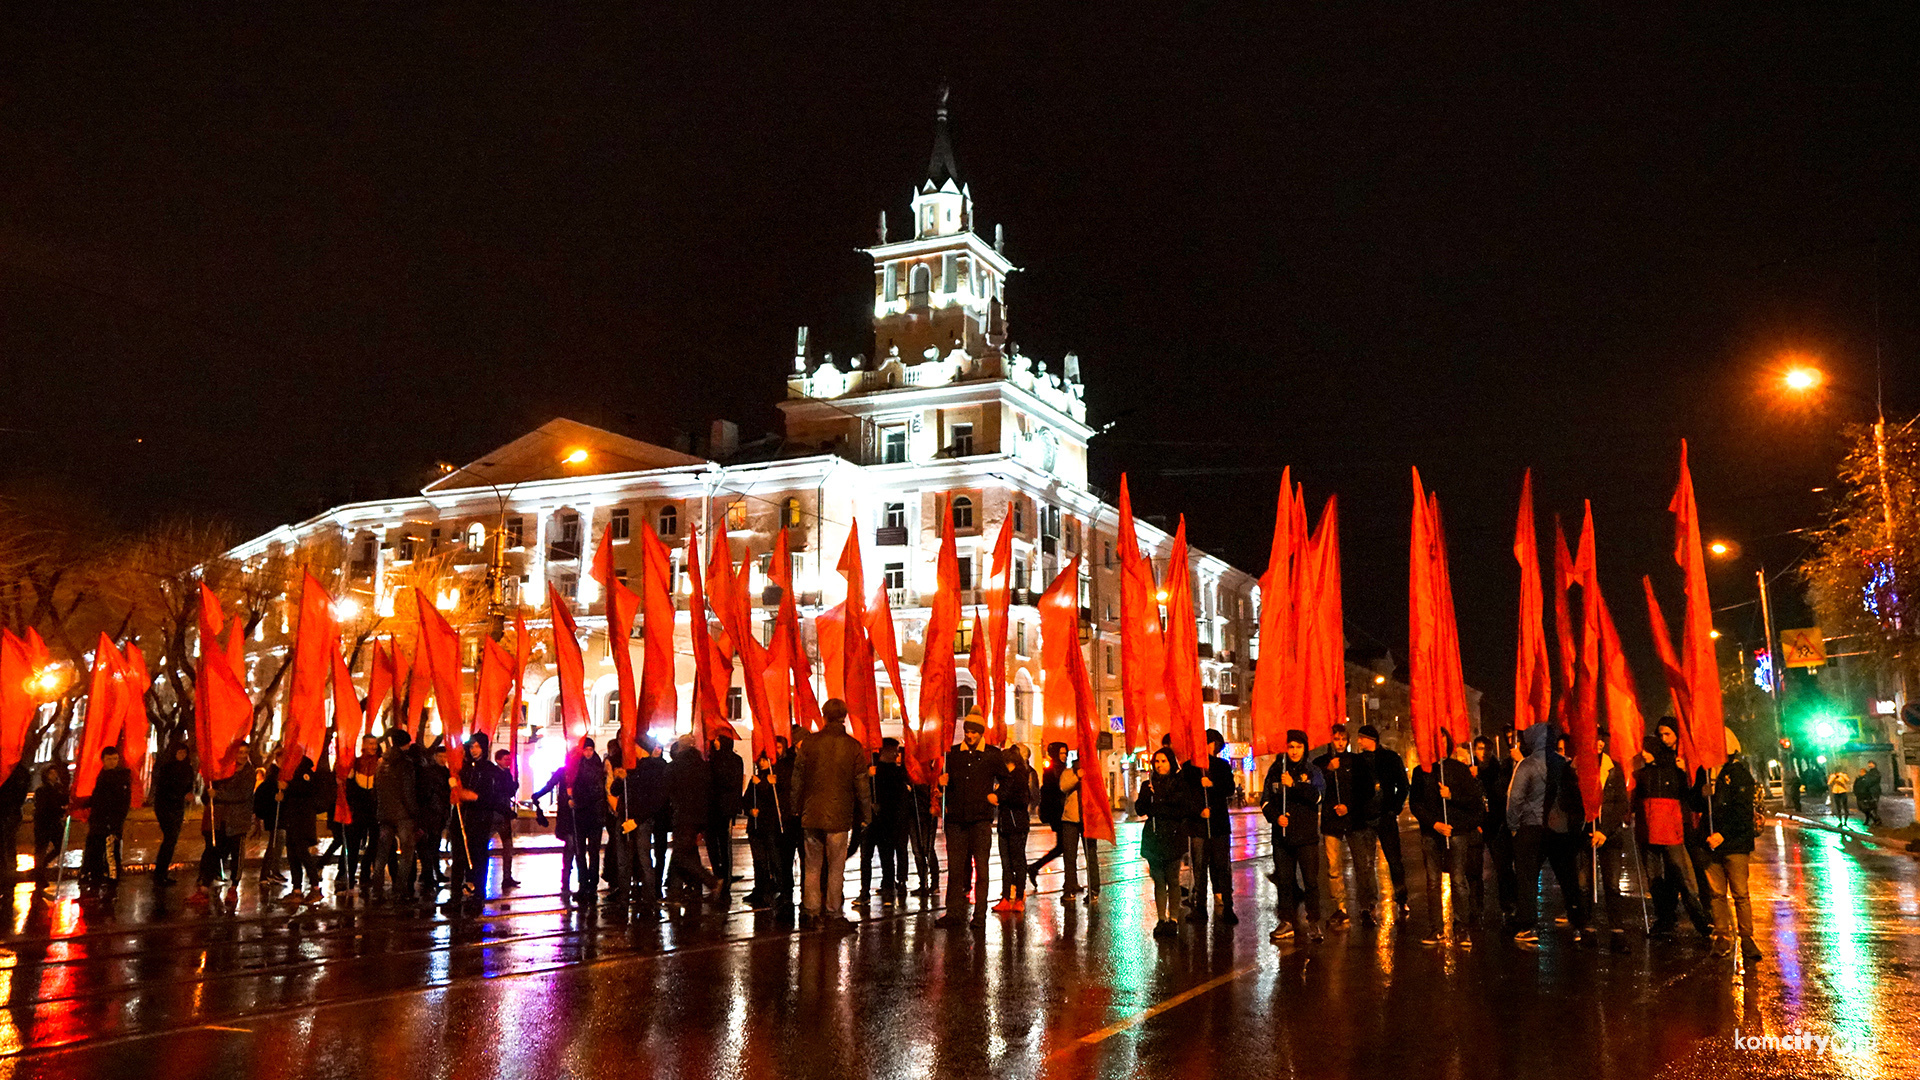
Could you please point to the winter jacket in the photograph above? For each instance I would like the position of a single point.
(588, 794)
(1464, 808)
(172, 788)
(1350, 784)
(13, 793)
(647, 789)
(1867, 787)
(762, 803)
(299, 802)
(1495, 774)
(1053, 801)
(1733, 806)
(783, 780)
(1167, 804)
(362, 804)
(49, 813)
(892, 795)
(1527, 791)
(435, 794)
(729, 778)
(490, 782)
(1389, 771)
(972, 775)
(562, 803)
(1300, 802)
(1661, 791)
(111, 799)
(233, 803)
(1565, 806)
(1215, 799)
(1013, 795)
(396, 787)
(1616, 812)
(830, 781)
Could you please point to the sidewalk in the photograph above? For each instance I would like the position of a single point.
(1897, 831)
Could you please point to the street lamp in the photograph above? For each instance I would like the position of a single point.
(497, 569)
(1804, 379)
(1726, 550)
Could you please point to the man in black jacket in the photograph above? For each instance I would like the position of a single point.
(1450, 807)
(509, 786)
(1494, 770)
(1609, 834)
(1347, 810)
(892, 807)
(729, 779)
(586, 792)
(173, 782)
(762, 803)
(690, 794)
(1733, 795)
(1389, 771)
(435, 792)
(107, 810)
(480, 815)
(645, 791)
(13, 804)
(299, 802)
(792, 836)
(1210, 848)
(971, 781)
(1011, 825)
(1290, 801)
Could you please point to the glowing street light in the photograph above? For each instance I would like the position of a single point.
(1720, 548)
(1801, 379)
(47, 682)
(1714, 634)
(575, 456)
(346, 609)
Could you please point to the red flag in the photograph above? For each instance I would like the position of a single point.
(805, 706)
(516, 712)
(134, 723)
(938, 679)
(1563, 578)
(730, 592)
(886, 650)
(1276, 682)
(1143, 651)
(861, 694)
(314, 639)
(440, 655)
(977, 661)
(1189, 722)
(709, 699)
(1459, 724)
(1326, 652)
(17, 704)
(1671, 667)
(830, 627)
(104, 713)
(419, 685)
(348, 721)
(380, 681)
(1697, 659)
(659, 698)
(621, 606)
(999, 601)
(1532, 682)
(1068, 696)
(1584, 717)
(490, 688)
(1424, 691)
(779, 683)
(209, 620)
(1625, 725)
(220, 697)
(572, 670)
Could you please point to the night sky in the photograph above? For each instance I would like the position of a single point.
(256, 267)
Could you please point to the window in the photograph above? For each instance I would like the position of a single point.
(892, 278)
(733, 703)
(669, 520)
(962, 443)
(1020, 575)
(516, 532)
(1019, 514)
(1020, 638)
(476, 537)
(675, 561)
(1073, 537)
(737, 515)
(1107, 558)
(619, 525)
(966, 571)
(963, 699)
(569, 536)
(403, 551)
(896, 576)
(790, 513)
(433, 540)
(1110, 663)
(613, 710)
(922, 283)
(962, 513)
(949, 273)
(567, 584)
(620, 574)
(895, 516)
(893, 445)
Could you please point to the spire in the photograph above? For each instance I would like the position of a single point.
(941, 168)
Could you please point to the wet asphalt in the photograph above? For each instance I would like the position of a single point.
(148, 985)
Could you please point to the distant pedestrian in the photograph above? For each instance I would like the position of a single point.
(1866, 791)
(1840, 790)
(1166, 802)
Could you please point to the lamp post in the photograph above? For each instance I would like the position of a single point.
(497, 566)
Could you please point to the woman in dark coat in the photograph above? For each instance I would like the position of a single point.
(1166, 804)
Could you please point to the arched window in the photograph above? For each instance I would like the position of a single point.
(921, 283)
(669, 520)
(962, 512)
(476, 536)
(963, 699)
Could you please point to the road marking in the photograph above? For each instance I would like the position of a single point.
(1149, 1013)
(222, 1027)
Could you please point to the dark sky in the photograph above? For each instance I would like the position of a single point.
(254, 266)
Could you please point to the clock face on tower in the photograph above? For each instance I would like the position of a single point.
(1040, 448)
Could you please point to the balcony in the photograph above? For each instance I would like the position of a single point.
(890, 536)
(1209, 695)
(1232, 698)
(897, 598)
(565, 551)
(1206, 651)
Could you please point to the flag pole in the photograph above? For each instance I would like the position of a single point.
(1641, 869)
(60, 864)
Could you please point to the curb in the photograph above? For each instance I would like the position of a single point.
(1911, 847)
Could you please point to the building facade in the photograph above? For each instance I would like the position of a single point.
(945, 414)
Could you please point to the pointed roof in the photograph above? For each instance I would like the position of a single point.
(541, 455)
(941, 168)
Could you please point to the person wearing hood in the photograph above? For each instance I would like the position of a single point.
(1733, 803)
(1290, 801)
(729, 776)
(483, 791)
(1389, 772)
(1450, 807)
(299, 803)
(1166, 802)
(1543, 809)
(363, 813)
(1347, 811)
(173, 784)
(435, 786)
(1609, 834)
(1661, 798)
(762, 803)
(971, 780)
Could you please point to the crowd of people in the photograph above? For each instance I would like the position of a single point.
(406, 825)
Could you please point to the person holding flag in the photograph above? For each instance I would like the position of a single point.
(1290, 801)
(1661, 799)
(1610, 833)
(106, 809)
(1451, 807)
(1730, 847)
